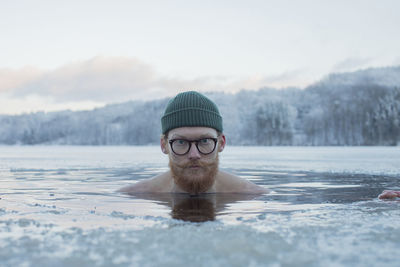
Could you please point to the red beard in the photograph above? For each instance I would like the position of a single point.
(195, 176)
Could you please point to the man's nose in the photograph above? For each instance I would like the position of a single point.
(194, 152)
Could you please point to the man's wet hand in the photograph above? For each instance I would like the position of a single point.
(389, 194)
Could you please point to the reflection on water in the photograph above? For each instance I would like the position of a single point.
(193, 209)
(199, 208)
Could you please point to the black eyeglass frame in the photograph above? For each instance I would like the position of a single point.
(196, 143)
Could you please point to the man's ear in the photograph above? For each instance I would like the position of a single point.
(221, 143)
(164, 145)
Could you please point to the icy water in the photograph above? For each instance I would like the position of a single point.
(59, 207)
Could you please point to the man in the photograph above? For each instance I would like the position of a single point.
(192, 138)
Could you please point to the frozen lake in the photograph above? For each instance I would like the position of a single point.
(58, 207)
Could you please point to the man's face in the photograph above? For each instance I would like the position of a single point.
(193, 172)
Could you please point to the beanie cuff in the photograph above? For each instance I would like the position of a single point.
(191, 118)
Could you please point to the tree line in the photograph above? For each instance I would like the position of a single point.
(334, 111)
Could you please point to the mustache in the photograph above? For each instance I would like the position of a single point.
(193, 163)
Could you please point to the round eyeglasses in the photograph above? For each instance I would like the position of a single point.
(182, 146)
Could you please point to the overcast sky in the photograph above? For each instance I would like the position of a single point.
(82, 54)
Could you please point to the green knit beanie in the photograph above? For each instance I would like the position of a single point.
(191, 109)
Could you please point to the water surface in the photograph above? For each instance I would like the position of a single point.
(59, 206)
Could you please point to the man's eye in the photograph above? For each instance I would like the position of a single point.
(204, 141)
(181, 142)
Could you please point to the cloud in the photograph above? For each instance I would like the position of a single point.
(104, 79)
(34, 103)
(97, 79)
(285, 79)
(351, 64)
(11, 78)
(115, 79)
(396, 61)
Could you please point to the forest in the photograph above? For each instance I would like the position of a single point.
(343, 109)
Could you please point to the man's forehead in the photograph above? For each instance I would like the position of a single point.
(192, 132)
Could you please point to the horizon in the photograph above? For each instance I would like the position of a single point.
(79, 55)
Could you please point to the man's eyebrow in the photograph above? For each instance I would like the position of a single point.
(177, 136)
(207, 136)
(174, 136)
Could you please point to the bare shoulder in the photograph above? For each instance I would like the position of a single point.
(230, 183)
(158, 184)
